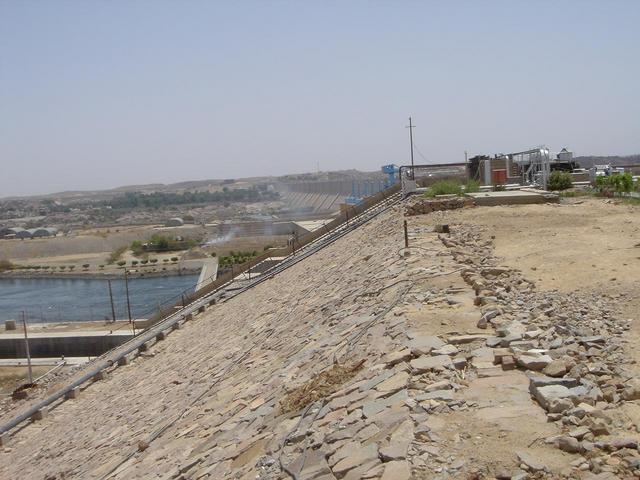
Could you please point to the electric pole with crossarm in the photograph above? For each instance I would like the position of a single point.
(411, 127)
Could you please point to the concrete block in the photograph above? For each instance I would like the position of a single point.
(72, 394)
(39, 415)
(161, 336)
(101, 375)
(123, 361)
(188, 316)
(212, 302)
(4, 439)
(10, 325)
(202, 308)
(177, 326)
(144, 347)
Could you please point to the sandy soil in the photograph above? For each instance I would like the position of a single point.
(12, 377)
(590, 245)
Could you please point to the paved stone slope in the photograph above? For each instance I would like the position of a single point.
(208, 396)
(457, 368)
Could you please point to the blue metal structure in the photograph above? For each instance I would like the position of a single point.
(391, 170)
(360, 190)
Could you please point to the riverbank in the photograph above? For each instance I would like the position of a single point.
(92, 275)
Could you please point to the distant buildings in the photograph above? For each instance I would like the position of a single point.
(17, 232)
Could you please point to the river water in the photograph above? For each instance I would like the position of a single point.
(62, 299)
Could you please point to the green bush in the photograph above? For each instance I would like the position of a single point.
(559, 180)
(134, 262)
(121, 263)
(85, 266)
(144, 262)
(471, 186)
(618, 182)
(444, 187)
(71, 267)
(154, 260)
(174, 259)
(136, 247)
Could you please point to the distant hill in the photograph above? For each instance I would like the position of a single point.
(179, 187)
(591, 160)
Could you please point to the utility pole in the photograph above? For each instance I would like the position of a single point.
(113, 309)
(411, 127)
(26, 346)
(126, 287)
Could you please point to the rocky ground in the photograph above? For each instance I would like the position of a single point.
(369, 360)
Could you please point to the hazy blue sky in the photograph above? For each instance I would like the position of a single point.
(97, 94)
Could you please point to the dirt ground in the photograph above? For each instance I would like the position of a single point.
(580, 245)
(12, 377)
(588, 245)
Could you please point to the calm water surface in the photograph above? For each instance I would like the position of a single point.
(61, 299)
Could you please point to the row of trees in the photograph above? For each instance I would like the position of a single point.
(145, 262)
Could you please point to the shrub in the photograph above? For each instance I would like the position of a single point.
(444, 187)
(144, 262)
(121, 263)
(618, 182)
(174, 259)
(559, 180)
(165, 260)
(85, 266)
(622, 182)
(154, 260)
(71, 267)
(134, 262)
(136, 247)
(101, 266)
(116, 254)
(6, 265)
(62, 267)
(471, 186)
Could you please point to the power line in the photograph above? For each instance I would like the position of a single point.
(420, 153)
